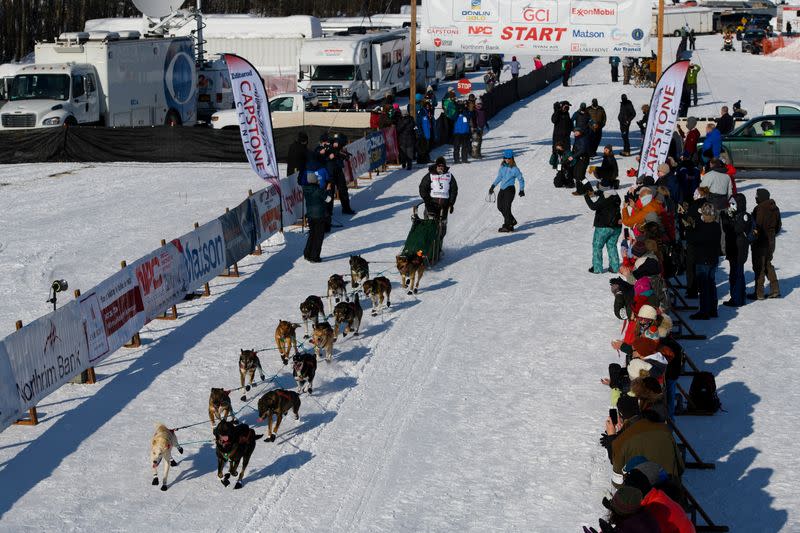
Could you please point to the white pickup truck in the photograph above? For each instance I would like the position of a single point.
(296, 109)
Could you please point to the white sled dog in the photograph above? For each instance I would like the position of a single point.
(164, 440)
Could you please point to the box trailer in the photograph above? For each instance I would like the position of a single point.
(700, 19)
(107, 78)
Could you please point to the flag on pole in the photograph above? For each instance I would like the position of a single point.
(664, 107)
(255, 122)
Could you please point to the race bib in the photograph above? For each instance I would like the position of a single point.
(440, 186)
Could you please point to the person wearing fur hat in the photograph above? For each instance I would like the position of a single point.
(646, 435)
(736, 223)
(767, 218)
(507, 176)
(607, 229)
(706, 240)
(439, 190)
(641, 208)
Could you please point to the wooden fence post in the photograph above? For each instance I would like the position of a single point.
(228, 273)
(173, 315)
(33, 416)
(136, 340)
(258, 250)
(206, 288)
(87, 376)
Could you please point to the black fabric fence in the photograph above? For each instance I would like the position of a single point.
(156, 145)
(511, 91)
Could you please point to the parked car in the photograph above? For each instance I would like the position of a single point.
(281, 104)
(781, 107)
(454, 67)
(765, 142)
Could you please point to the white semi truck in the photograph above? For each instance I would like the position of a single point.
(114, 79)
(352, 70)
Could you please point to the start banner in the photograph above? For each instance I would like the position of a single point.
(528, 27)
(47, 353)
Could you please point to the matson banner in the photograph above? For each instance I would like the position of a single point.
(661, 121)
(527, 27)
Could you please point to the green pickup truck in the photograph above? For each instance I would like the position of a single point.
(766, 142)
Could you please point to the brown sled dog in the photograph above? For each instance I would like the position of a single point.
(359, 270)
(286, 339)
(248, 364)
(337, 288)
(278, 403)
(377, 289)
(311, 308)
(164, 441)
(411, 268)
(235, 442)
(304, 369)
(323, 339)
(349, 314)
(219, 406)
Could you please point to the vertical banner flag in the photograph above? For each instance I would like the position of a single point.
(255, 122)
(663, 114)
(529, 27)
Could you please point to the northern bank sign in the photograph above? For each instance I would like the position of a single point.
(569, 27)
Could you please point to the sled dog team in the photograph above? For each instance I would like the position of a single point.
(236, 441)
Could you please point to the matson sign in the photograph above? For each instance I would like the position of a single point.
(568, 27)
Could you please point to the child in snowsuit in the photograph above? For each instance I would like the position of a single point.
(509, 173)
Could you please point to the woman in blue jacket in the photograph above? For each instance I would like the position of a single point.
(508, 174)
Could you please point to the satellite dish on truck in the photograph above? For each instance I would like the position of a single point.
(157, 8)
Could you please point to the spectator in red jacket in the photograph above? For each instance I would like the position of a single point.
(690, 142)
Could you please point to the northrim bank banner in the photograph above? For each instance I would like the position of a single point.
(527, 27)
(664, 107)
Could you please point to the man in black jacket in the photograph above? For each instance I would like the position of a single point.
(439, 190)
(406, 140)
(297, 158)
(626, 115)
(562, 124)
(725, 121)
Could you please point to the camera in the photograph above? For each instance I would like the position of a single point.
(59, 285)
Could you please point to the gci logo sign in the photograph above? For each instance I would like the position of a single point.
(539, 12)
(530, 14)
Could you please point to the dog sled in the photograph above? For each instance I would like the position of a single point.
(426, 235)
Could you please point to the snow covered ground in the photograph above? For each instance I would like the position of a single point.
(475, 406)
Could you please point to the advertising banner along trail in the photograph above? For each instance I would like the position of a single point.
(664, 107)
(528, 27)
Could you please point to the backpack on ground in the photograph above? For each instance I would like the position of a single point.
(562, 179)
(703, 393)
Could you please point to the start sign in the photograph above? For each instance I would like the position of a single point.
(464, 86)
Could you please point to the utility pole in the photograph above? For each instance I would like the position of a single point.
(660, 30)
(412, 93)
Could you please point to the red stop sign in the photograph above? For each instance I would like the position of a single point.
(464, 86)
